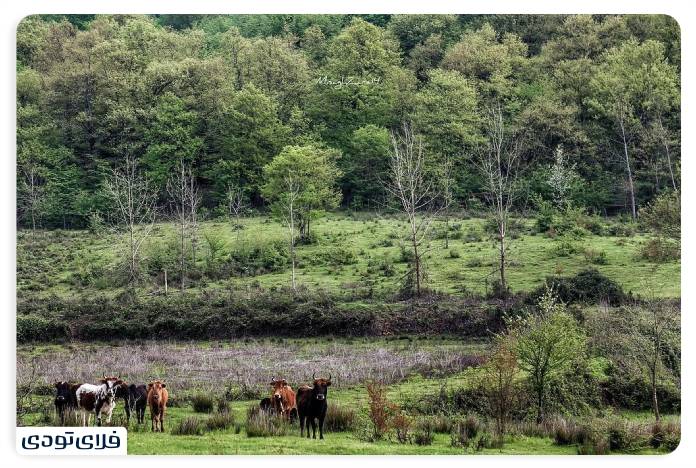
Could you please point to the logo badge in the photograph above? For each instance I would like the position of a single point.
(72, 440)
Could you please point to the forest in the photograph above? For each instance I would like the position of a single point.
(227, 94)
(471, 224)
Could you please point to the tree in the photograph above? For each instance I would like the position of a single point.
(184, 199)
(623, 92)
(663, 215)
(561, 179)
(236, 204)
(546, 344)
(415, 193)
(134, 201)
(170, 139)
(500, 165)
(313, 177)
(500, 374)
(655, 328)
(365, 166)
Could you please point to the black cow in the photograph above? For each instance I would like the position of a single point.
(65, 398)
(135, 399)
(312, 405)
(266, 404)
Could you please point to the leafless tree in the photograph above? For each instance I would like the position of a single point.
(621, 114)
(447, 183)
(288, 206)
(414, 190)
(500, 166)
(135, 201)
(184, 199)
(656, 327)
(31, 193)
(235, 204)
(664, 139)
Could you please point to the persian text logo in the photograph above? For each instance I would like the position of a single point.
(71, 440)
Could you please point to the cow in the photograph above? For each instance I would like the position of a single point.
(65, 398)
(98, 399)
(283, 399)
(312, 404)
(157, 396)
(266, 405)
(135, 399)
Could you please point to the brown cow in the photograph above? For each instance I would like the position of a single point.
(283, 399)
(157, 396)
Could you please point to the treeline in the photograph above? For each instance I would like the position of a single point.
(227, 94)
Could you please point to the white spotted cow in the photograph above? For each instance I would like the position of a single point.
(97, 399)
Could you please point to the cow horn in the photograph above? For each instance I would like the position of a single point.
(329, 375)
(313, 375)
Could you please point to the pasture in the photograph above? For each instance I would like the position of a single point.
(238, 372)
(359, 250)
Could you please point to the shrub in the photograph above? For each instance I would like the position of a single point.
(262, 424)
(622, 230)
(36, 328)
(442, 424)
(485, 440)
(339, 418)
(595, 257)
(188, 426)
(453, 253)
(564, 248)
(423, 435)
(202, 403)
(660, 251)
(665, 435)
(219, 421)
(380, 410)
(402, 426)
(459, 437)
(223, 406)
(587, 286)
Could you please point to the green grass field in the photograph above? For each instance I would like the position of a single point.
(72, 262)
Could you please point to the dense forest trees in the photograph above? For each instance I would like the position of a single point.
(225, 95)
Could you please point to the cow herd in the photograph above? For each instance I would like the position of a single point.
(100, 399)
(309, 404)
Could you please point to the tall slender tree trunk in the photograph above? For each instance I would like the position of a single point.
(416, 260)
(631, 189)
(665, 143)
(292, 245)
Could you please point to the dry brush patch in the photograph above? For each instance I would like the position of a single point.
(248, 365)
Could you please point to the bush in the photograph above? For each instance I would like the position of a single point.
(660, 251)
(188, 426)
(622, 230)
(223, 406)
(453, 253)
(564, 248)
(402, 427)
(339, 418)
(442, 424)
(380, 410)
(262, 424)
(35, 328)
(595, 257)
(665, 435)
(202, 403)
(589, 286)
(423, 435)
(219, 421)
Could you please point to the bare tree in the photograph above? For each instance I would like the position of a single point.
(184, 198)
(656, 328)
(415, 192)
(621, 114)
(447, 183)
(500, 165)
(664, 139)
(288, 206)
(235, 204)
(32, 192)
(135, 201)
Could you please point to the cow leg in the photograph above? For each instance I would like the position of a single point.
(152, 421)
(302, 419)
(314, 429)
(161, 418)
(321, 428)
(128, 412)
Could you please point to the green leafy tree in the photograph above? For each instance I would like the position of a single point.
(366, 166)
(547, 343)
(314, 177)
(171, 139)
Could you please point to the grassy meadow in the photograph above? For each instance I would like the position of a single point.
(350, 251)
(405, 390)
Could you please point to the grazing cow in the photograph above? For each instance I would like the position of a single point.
(135, 399)
(265, 404)
(98, 399)
(283, 399)
(157, 396)
(311, 405)
(65, 398)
